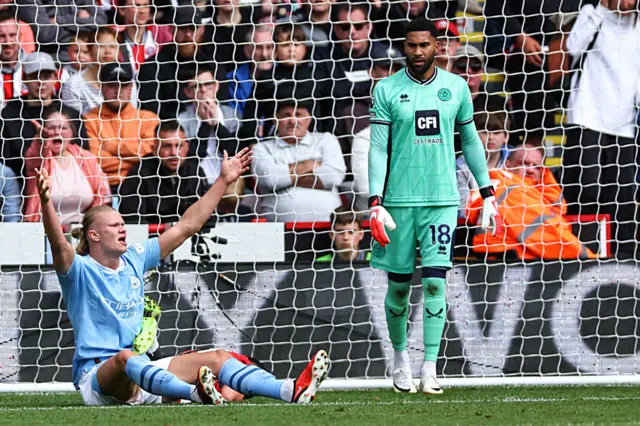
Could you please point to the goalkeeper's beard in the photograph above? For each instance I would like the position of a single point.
(418, 71)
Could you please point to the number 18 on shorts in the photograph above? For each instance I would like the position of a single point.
(431, 228)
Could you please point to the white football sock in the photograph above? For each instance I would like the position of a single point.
(286, 391)
(429, 369)
(401, 359)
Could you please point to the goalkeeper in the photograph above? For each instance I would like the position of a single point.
(414, 194)
(102, 286)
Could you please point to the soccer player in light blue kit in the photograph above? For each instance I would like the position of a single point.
(414, 192)
(102, 287)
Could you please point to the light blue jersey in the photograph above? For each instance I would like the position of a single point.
(105, 306)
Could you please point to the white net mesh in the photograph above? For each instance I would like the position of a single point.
(138, 101)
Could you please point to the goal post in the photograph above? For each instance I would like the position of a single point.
(261, 287)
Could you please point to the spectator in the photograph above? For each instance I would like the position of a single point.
(40, 79)
(241, 90)
(315, 17)
(11, 58)
(493, 130)
(82, 91)
(206, 120)
(142, 39)
(79, 56)
(346, 234)
(524, 29)
(469, 64)
(25, 33)
(164, 184)
(531, 205)
(356, 122)
(600, 155)
(230, 209)
(449, 38)
(391, 17)
(297, 172)
(10, 198)
(159, 88)
(228, 30)
(342, 69)
(119, 134)
(77, 182)
(56, 23)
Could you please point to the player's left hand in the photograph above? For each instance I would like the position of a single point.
(491, 217)
(232, 168)
(380, 218)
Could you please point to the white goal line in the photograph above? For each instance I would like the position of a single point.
(348, 384)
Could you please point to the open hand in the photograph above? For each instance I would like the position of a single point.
(531, 49)
(44, 185)
(232, 168)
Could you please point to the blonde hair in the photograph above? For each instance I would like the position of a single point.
(81, 233)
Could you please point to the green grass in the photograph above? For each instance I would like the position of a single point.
(505, 405)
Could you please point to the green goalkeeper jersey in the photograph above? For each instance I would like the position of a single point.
(412, 156)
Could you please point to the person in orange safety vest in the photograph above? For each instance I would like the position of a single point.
(530, 202)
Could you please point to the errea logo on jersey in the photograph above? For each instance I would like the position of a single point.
(427, 123)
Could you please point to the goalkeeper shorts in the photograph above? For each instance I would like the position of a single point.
(432, 228)
(92, 395)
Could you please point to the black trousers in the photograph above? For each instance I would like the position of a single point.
(599, 177)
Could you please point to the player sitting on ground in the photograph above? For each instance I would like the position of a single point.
(414, 193)
(103, 291)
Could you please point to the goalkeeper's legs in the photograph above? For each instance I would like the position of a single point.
(396, 305)
(434, 314)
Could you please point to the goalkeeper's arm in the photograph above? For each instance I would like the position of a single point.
(378, 156)
(474, 154)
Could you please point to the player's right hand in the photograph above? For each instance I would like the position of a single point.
(380, 218)
(44, 185)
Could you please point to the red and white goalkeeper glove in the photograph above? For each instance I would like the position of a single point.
(491, 218)
(380, 218)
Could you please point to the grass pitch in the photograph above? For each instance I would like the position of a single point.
(503, 405)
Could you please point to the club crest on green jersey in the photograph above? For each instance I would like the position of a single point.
(444, 94)
(378, 250)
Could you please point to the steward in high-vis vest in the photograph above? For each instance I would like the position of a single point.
(534, 222)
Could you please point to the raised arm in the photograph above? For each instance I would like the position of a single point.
(198, 214)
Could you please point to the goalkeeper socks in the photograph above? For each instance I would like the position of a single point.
(158, 381)
(250, 380)
(429, 369)
(435, 312)
(396, 308)
(401, 359)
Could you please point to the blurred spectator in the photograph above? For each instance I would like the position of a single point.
(11, 58)
(77, 182)
(315, 17)
(517, 35)
(165, 183)
(10, 198)
(82, 91)
(206, 121)
(469, 64)
(600, 155)
(226, 32)
(241, 89)
(298, 171)
(530, 202)
(493, 130)
(390, 18)
(142, 39)
(25, 33)
(449, 38)
(346, 234)
(230, 209)
(56, 23)
(40, 79)
(159, 86)
(356, 123)
(79, 56)
(275, 11)
(342, 69)
(119, 134)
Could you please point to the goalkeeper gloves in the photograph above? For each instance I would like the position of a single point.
(380, 218)
(490, 217)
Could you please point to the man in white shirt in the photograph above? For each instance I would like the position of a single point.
(599, 164)
(298, 171)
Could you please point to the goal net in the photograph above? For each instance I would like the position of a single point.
(139, 99)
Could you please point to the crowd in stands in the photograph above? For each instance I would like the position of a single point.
(132, 103)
